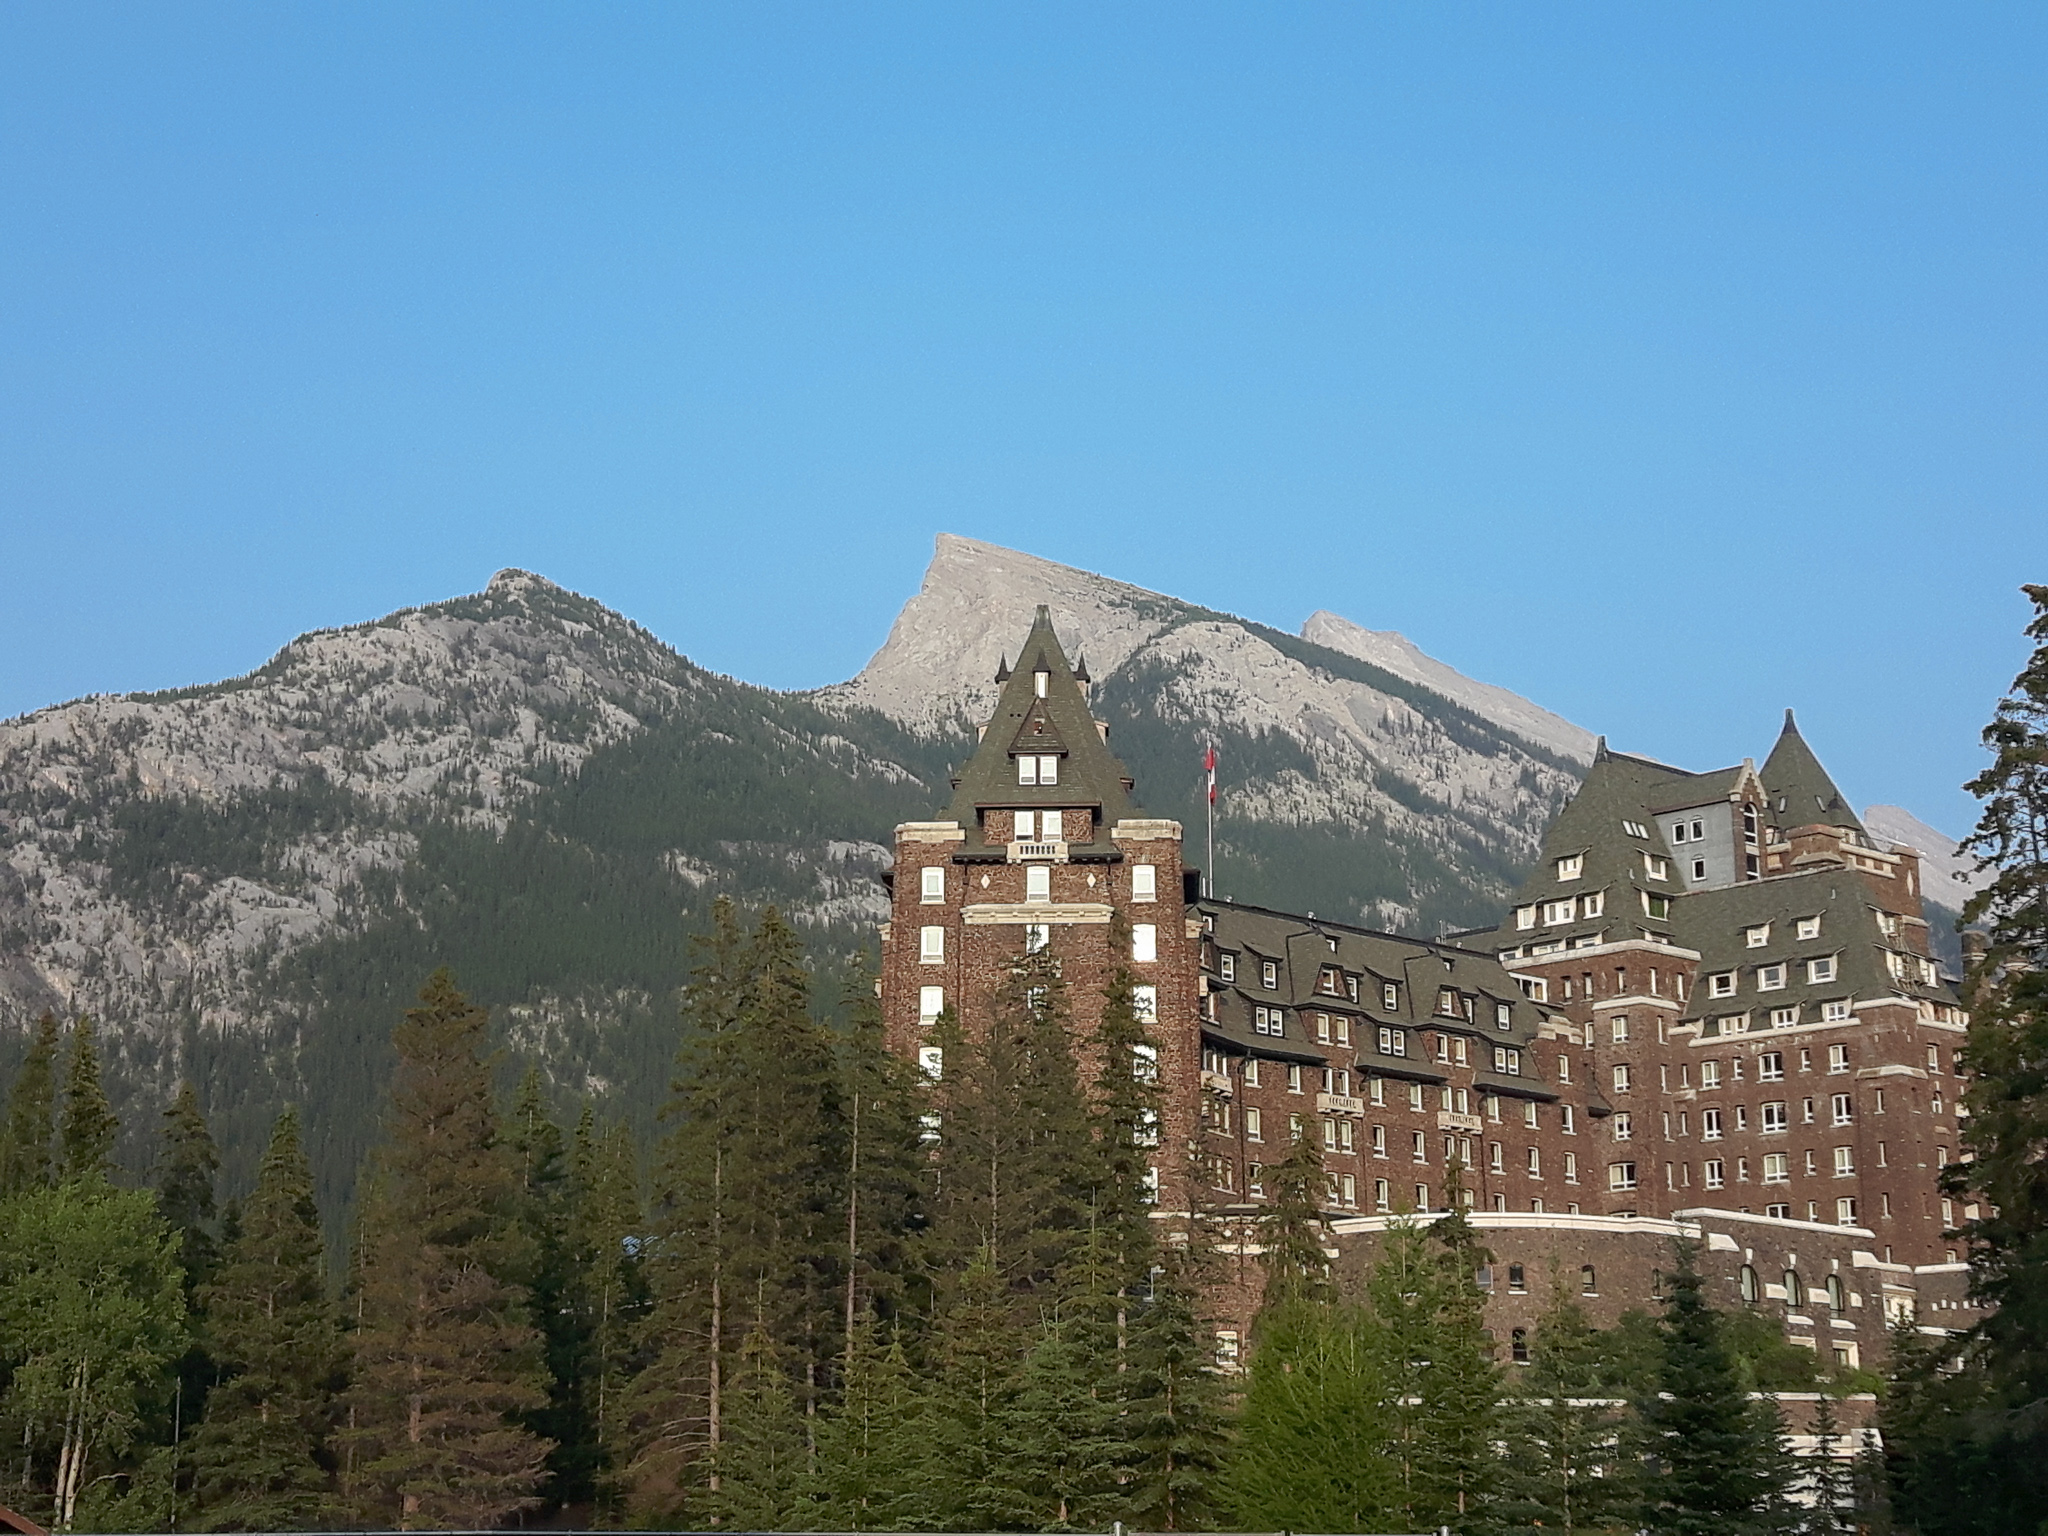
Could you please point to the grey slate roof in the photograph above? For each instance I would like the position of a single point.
(1800, 790)
(1090, 775)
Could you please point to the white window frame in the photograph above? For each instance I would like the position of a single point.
(931, 890)
(1144, 942)
(1820, 968)
(1145, 1002)
(1037, 884)
(931, 1002)
(1144, 882)
(931, 945)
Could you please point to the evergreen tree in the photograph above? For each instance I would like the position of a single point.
(444, 1355)
(869, 1451)
(763, 1459)
(2007, 992)
(25, 1156)
(1714, 1466)
(1177, 1423)
(1829, 1476)
(886, 1164)
(1409, 1296)
(260, 1458)
(1065, 1419)
(1563, 1461)
(606, 1225)
(185, 1171)
(91, 1314)
(88, 1130)
(1291, 1230)
(1312, 1449)
(966, 1478)
(1459, 1462)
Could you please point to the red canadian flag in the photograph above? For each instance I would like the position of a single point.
(1209, 763)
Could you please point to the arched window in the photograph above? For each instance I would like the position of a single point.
(1838, 1303)
(1518, 1345)
(1586, 1282)
(1752, 1291)
(1795, 1293)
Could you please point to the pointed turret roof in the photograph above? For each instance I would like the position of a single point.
(1801, 793)
(1056, 724)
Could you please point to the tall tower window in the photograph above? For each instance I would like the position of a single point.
(1144, 941)
(1037, 882)
(932, 885)
(1038, 681)
(931, 1002)
(931, 945)
(1144, 882)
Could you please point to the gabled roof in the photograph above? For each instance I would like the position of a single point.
(1801, 792)
(1089, 773)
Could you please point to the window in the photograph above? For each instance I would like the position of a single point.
(1267, 1021)
(1503, 1016)
(1038, 882)
(1845, 1211)
(1568, 1117)
(1379, 1141)
(1226, 967)
(1810, 1169)
(1144, 941)
(1822, 969)
(1624, 1126)
(1144, 882)
(1618, 1026)
(1838, 1058)
(932, 885)
(1841, 1109)
(1710, 1125)
(1934, 1060)
(1026, 828)
(1655, 905)
(1496, 1157)
(1621, 1176)
(1781, 1211)
(1528, 1113)
(1393, 1042)
(1621, 1077)
(1757, 936)
(1795, 1289)
(1835, 1010)
(1382, 1195)
(1251, 1072)
(1050, 825)
(1420, 1147)
(1254, 1124)
(1770, 1067)
(1518, 1345)
(1721, 984)
(1415, 1096)
(1145, 1003)
(1555, 912)
(1710, 1074)
(1752, 1292)
(931, 1061)
(1294, 1077)
(1777, 1168)
(1571, 866)
(931, 945)
(1716, 1172)
(1656, 867)
(1594, 904)
(1447, 1002)
(1508, 1060)
(1808, 928)
(1771, 978)
(1027, 770)
(1390, 996)
(1634, 828)
(1377, 1089)
(1699, 869)
(1269, 974)
(1775, 1118)
(1845, 1162)
(1589, 1284)
(1784, 1018)
(931, 1002)
(1571, 1167)
(1037, 937)
(1525, 917)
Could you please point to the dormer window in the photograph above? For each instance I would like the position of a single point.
(1027, 827)
(1571, 866)
(1447, 1002)
(1390, 996)
(1269, 974)
(1034, 769)
(1038, 681)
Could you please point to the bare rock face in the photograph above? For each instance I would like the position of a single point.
(1396, 653)
(1948, 877)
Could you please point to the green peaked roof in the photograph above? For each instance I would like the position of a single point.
(1800, 790)
(1060, 725)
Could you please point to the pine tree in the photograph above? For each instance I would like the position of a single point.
(606, 1225)
(1064, 1422)
(1460, 1463)
(1829, 1476)
(886, 1163)
(185, 1170)
(260, 1458)
(1312, 1448)
(1177, 1422)
(763, 1460)
(26, 1160)
(1563, 1458)
(1714, 1463)
(869, 1441)
(966, 1477)
(2007, 1049)
(88, 1130)
(444, 1355)
(1408, 1296)
(1291, 1230)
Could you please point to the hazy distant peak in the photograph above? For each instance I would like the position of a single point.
(1396, 653)
(1947, 878)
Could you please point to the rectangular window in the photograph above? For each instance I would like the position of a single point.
(1571, 1167)
(1555, 912)
(1253, 1124)
(1770, 1067)
(1721, 984)
(1294, 1078)
(1710, 1124)
(1528, 1113)
(1048, 770)
(1568, 1119)
(1843, 1111)
(1618, 1026)
(931, 1061)
(1420, 1147)
(932, 885)
(1267, 1021)
(1226, 967)
(1808, 928)
(1026, 829)
(1656, 867)
(1144, 941)
(1758, 936)
(1699, 869)
(1716, 1172)
(1144, 882)
(1624, 1126)
(1415, 1096)
(1051, 825)
(1496, 1157)
(1784, 1018)
(1376, 1090)
(1508, 1060)
(1845, 1211)
(1571, 866)
(1145, 1002)
(1835, 1010)
(1822, 969)
(931, 1002)
(1038, 882)
(1771, 978)
(1710, 1074)
(1845, 1162)
(1775, 1117)
(1621, 1176)
(1621, 1077)
(1027, 770)
(1145, 1069)
(1535, 1163)
(1382, 1195)
(1655, 905)
(931, 945)
(1393, 1042)
(1390, 997)
(1349, 1186)
(1269, 974)
(1037, 938)
(1343, 1028)
(1594, 904)
(1379, 1141)
(1838, 1058)
(1777, 1168)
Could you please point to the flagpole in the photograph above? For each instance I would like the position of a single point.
(1209, 762)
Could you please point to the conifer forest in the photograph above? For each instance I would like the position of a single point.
(831, 1294)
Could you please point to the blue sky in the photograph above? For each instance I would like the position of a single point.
(1667, 364)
